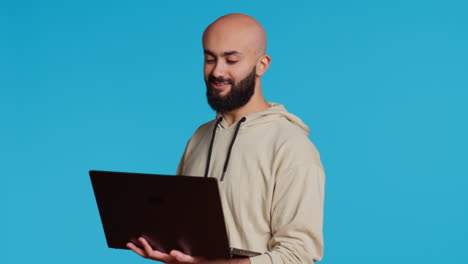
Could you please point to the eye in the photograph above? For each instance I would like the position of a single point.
(232, 59)
(210, 60)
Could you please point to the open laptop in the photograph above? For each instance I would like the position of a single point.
(171, 212)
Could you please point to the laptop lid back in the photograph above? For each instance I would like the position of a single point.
(171, 212)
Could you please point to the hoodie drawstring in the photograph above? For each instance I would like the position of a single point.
(207, 168)
(230, 147)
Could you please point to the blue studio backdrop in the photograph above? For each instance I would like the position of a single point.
(117, 85)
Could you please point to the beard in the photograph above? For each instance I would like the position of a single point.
(238, 96)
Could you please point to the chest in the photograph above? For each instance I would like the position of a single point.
(249, 180)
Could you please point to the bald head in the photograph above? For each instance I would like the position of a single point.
(234, 46)
(237, 31)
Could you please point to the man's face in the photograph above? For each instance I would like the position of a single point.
(229, 71)
(237, 96)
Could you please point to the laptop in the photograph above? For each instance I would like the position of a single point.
(170, 212)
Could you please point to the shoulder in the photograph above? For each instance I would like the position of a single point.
(294, 144)
(203, 130)
(201, 133)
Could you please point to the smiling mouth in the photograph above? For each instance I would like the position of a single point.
(220, 85)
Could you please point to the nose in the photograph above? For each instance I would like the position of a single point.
(219, 70)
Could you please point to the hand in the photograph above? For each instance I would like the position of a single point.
(175, 256)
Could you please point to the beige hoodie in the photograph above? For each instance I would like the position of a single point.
(273, 190)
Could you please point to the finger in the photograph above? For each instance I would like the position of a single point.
(154, 254)
(160, 256)
(136, 249)
(146, 246)
(181, 257)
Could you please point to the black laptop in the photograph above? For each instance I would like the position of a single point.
(171, 212)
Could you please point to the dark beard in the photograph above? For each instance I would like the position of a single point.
(239, 95)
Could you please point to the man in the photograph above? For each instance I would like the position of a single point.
(270, 176)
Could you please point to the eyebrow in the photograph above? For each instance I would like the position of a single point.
(225, 54)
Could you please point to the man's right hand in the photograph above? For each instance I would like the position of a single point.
(177, 257)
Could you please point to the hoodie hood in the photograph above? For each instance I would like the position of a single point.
(274, 111)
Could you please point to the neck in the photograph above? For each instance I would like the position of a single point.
(256, 104)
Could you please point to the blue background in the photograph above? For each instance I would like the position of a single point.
(117, 85)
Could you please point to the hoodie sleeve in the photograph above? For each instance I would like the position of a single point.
(180, 167)
(296, 214)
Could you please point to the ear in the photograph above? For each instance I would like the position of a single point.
(263, 64)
